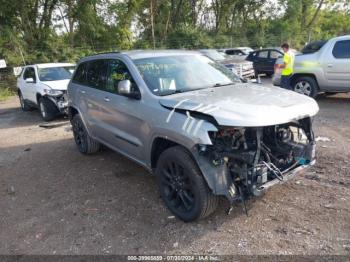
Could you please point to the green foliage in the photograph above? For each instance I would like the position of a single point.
(189, 38)
(5, 93)
(65, 30)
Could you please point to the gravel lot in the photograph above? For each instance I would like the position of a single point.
(53, 200)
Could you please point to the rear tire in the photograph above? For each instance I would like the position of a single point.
(305, 85)
(24, 104)
(48, 109)
(84, 142)
(182, 186)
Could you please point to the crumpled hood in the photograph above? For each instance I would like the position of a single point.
(57, 85)
(245, 105)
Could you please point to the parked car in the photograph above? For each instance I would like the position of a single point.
(44, 86)
(323, 66)
(191, 122)
(237, 53)
(264, 60)
(242, 68)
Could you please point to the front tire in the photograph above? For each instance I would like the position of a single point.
(182, 186)
(84, 142)
(48, 109)
(306, 85)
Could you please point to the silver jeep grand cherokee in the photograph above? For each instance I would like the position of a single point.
(192, 123)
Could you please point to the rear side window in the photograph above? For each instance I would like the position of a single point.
(80, 74)
(341, 49)
(29, 73)
(96, 74)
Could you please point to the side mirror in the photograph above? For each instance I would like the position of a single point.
(30, 80)
(124, 88)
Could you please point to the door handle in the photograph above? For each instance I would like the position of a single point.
(106, 99)
(82, 92)
(330, 65)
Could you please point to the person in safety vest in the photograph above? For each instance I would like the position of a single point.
(287, 67)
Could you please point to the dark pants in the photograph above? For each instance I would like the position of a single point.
(286, 83)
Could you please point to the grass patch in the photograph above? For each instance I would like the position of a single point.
(5, 93)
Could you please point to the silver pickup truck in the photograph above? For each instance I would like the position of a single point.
(323, 66)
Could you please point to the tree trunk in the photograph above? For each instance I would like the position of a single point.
(312, 21)
(152, 23)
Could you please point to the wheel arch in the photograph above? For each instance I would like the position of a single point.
(299, 75)
(159, 145)
(72, 111)
(216, 177)
(38, 96)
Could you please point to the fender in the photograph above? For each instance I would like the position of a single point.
(81, 116)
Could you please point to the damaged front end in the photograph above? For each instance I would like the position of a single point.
(59, 98)
(247, 161)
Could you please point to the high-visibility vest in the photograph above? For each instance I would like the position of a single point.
(288, 60)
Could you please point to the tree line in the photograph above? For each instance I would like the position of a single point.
(33, 31)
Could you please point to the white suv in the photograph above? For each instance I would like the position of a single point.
(44, 86)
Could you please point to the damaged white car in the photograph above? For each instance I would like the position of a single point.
(44, 86)
(192, 123)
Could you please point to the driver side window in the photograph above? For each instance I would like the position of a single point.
(118, 71)
(29, 73)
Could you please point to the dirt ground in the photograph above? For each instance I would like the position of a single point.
(54, 200)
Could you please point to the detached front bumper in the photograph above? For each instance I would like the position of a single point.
(258, 191)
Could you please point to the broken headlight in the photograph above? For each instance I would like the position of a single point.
(52, 92)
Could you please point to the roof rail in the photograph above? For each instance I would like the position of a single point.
(104, 53)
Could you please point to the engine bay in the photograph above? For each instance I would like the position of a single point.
(256, 155)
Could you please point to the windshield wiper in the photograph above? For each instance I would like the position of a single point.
(223, 84)
(171, 92)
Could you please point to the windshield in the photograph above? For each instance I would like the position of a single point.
(55, 73)
(215, 55)
(183, 73)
